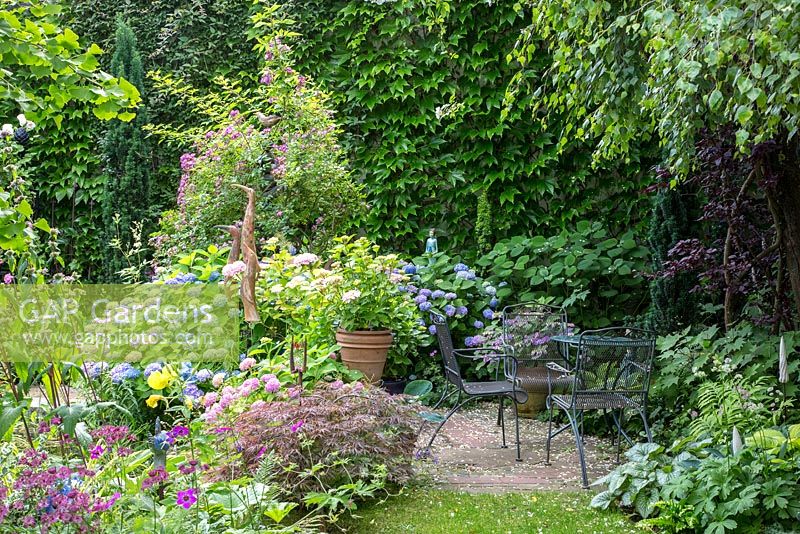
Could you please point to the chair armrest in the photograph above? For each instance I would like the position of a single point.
(553, 366)
(474, 354)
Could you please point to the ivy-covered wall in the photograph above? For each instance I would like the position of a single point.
(420, 86)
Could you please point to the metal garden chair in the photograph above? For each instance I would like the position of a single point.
(527, 332)
(611, 374)
(472, 390)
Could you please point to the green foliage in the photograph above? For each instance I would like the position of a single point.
(126, 195)
(672, 305)
(597, 277)
(745, 354)
(45, 67)
(279, 139)
(686, 65)
(424, 128)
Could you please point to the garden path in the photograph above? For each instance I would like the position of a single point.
(467, 455)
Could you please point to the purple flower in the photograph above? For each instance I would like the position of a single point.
(187, 498)
(419, 299)
(461, 311)
(437, 294)
(432, 329)
(425, 306)
(192, 391)
(272, 385)
(488, 314)
(152, 368)
(123, 371)
(412, 289)
(477, 324)
(459, 267)
(450, 296)
(178, 431)
(96, 452)
(203, 375)
(425, 292)
(266, 78)
(450, 310)
(296, 426)
(410, 269)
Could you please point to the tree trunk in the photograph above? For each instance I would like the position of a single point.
(786, 165)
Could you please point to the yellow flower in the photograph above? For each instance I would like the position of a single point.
(161, 379)
(189, 403)
(152, 400)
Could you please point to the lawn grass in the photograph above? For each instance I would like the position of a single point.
(426, 511)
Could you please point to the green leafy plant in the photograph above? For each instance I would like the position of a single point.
(597, 277)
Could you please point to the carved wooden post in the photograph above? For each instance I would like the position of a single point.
(236, 245)
(247, 290)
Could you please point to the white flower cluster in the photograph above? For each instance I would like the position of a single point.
(7, 130)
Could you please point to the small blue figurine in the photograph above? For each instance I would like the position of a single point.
(431, 245)
(160, 447)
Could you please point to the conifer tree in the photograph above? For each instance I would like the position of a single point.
(127, 159)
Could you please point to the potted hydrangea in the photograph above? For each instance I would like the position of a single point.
(369, 308)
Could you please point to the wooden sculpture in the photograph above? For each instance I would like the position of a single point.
(247, 290)
(236, 245)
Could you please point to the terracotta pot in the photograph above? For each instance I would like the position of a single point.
(365, 351)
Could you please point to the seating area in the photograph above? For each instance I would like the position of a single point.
(605, 370)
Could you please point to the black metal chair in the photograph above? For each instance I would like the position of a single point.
(472, 390)
(527, 332)
(611, 374)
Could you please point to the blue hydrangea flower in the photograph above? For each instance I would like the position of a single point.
(478, 325)
(493, 303)
(490, 290)
(203, 375)
(465, 275)
(461, 311)
(410, 269)
(468, 341)
(437, 294)
(502, 284)
(214, 276)
(292, 250)
(450, 296)
(419, 299)
(488, 314)
(425, 306)
(401, 289)
(425, 292)
(412, 289)
(460, 267)
(94, 369)
(475, 341)
(432, 329)
(421, 322)
(152, 368)
(123, 371)
(450, 310)
(185, 371)
(192, 391)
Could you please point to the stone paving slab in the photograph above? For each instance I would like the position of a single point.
(467, 455)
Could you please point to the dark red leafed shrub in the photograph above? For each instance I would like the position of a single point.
(351, 430)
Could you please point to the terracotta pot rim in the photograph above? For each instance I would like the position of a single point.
(382, 331)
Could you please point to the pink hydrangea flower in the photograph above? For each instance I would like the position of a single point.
(232, 269)
(210, 398)
(273, 385)
(350, 296)
(218, 379)
(305, 259)
(246, 364)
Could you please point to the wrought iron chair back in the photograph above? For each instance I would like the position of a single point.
(452, 371)
(613, 362)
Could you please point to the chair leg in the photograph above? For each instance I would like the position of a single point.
(445, 395)
(619, 435)
(549, 432)
(643, 414)
(503, 428)
(500, 410)
(573, 419)
(516, 422)
(453, 410)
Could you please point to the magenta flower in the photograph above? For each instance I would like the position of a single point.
(296, 427)
(178, 432)
(187, 498)
(96, 452)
